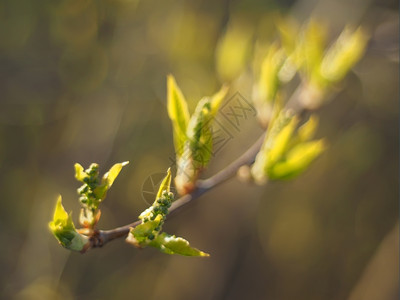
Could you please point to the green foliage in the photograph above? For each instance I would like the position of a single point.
(343, 54)
(305, 51)
(284, 155)
(170, 244)
(94, 190)
(64, 230)
(192, 134)
(148, 233)
(178, 113)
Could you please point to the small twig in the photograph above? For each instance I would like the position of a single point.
(101, 237)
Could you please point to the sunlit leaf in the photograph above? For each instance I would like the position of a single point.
(178, 113)
(298, 159)
(64, 230)
(268, 82)
(217, 99)
(165, 184)
(80, 173)
(307, 130)
(170, 244)
(278, 143)
(344, 54)
(110, 176)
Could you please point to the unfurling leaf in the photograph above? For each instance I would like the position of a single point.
(344, 54)
(269, 82)
(284, 153)
(298, 159)
(64, 230)
(178, 113)
(110, 176)
(307, 130)
(217, 98)
(170, 244)
(165, 184)
(80, 173)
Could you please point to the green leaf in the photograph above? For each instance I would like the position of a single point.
(165, 184)
(217, 99)
(80, 173)
(111, 175)
(278, 143)
(200, 135)
(279, 121)
(170, 244)
(308, 129)
(108, 179)
(178, 113)
(309, 51)
(297, 161)
(344, 54)
(64, 230)
(269, 82)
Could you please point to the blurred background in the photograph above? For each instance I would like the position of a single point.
(85, 81)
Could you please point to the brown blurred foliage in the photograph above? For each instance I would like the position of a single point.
(84, 81)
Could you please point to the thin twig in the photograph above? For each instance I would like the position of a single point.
(101, 237)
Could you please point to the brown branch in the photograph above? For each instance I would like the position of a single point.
(102, 237)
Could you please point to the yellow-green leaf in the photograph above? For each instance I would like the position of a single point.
(112, 174)
(307, 130)
(64, 230)
(217, 99)
(170, 244)
(280, 142)
(344, 54)
(178, 113)
(269, 75)
(297, 160)
(80, 173)
(165, 184)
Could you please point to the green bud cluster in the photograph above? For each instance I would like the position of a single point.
(87, 190)
(159, 207)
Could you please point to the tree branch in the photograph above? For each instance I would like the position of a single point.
(101, 237)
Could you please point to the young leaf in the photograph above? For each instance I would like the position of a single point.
(344, 54)
(178, 113)
(297, 160)
(217, 99)
(109, 177)
(64, 230)
(165, 184)
(310, 49)
(170, 244)
(80, 174)
(278, 144)
(269, 82)
(307, 130)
